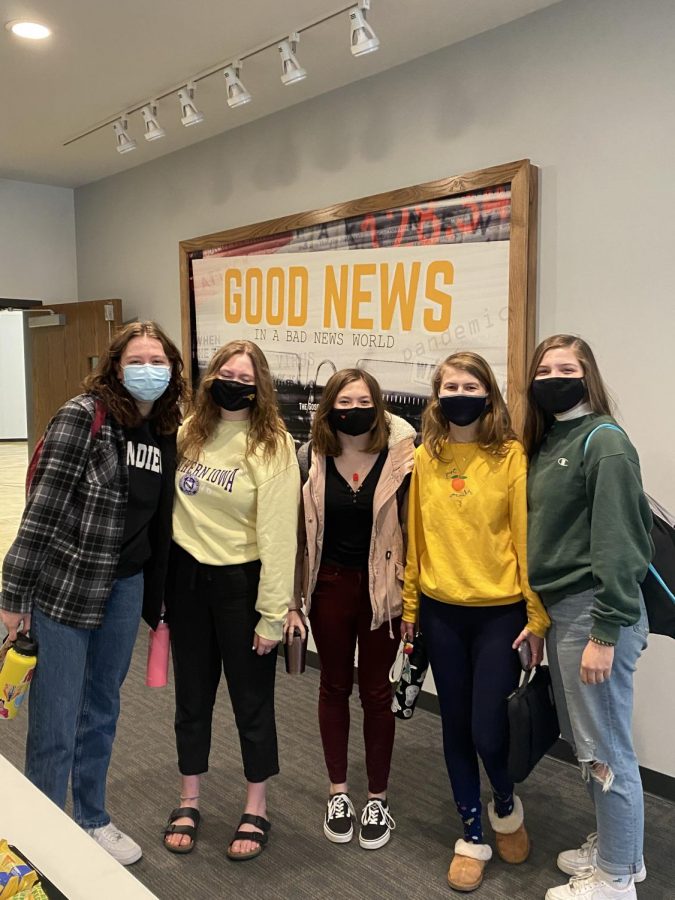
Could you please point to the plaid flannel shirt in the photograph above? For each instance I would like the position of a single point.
(65, 554)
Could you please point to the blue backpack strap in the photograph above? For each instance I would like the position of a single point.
(661, 582)
(597, 428)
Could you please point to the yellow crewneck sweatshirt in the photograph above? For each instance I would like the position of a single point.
(467, 531)
(232, 508)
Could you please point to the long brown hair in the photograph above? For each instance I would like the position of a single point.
(324, 437)
(104, 382)
(494, 426)
(266, 427)
(537, 422)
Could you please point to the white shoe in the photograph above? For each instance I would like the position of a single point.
(587, 886)
(119, 845)
(572, 862)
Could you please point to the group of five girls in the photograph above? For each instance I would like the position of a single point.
(200, 523)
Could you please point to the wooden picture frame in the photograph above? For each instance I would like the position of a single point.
(522, 178)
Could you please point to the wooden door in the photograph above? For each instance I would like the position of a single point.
(62, 355)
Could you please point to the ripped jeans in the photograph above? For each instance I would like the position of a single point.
(597, 721)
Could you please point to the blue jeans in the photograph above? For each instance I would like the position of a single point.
(74, 701)
(475, 669)
(596, 719)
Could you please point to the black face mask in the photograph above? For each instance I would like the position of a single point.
(557, 395)
(355, 421)
(232, 395)
(462, 409)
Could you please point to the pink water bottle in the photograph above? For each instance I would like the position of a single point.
(157, 672)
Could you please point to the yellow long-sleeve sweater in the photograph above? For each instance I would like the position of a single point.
(467, 531)
(232, 507)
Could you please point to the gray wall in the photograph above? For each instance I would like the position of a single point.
(37, 242)
(583, 88)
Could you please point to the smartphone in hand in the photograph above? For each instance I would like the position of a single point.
(525, 654)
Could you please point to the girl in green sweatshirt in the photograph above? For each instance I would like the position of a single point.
(588, 550)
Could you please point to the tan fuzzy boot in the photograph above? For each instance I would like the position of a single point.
(513, 843)
(466, 869)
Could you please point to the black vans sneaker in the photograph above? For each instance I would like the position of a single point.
(338, 823)
(376, 824)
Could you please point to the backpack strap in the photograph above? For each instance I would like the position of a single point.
(661, 582)
(597, 428)
(100, 415)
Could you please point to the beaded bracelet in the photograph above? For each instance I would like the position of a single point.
(599, 642)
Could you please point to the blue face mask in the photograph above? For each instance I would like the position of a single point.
(146, 383)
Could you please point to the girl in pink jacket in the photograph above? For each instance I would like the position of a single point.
(350, 575)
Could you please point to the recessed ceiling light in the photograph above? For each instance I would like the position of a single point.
(31, 30)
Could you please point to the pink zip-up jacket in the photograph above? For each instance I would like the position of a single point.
(386, 559)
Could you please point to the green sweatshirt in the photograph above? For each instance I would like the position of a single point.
(589, 522)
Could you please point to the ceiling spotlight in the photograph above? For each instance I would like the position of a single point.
(291, 70)
(237, 94)
(31, 30)
(153, 130)
(363, 38)
(124, 143)
(190, 115)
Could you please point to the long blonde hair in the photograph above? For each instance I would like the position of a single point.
(267, 431)
(537, 422)
(494, 427)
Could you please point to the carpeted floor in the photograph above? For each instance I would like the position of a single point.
(300, 864)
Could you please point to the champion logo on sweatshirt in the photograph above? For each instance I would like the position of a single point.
(563, 462)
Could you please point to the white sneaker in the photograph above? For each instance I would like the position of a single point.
(119, 845)
(572, 862)
(587, 886)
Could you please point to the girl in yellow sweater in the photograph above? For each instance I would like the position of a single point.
(230, 581)
(466, 583)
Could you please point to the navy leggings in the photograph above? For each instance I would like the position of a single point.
(475, 670)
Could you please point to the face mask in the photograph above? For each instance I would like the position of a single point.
(355, 421)
(557, 395)
(146, 383)
(462, 409)
(232, 395)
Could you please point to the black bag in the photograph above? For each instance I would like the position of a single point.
(533, 722)
(657, 588)
(408, 673)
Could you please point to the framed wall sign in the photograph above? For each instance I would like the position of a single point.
(393, 283)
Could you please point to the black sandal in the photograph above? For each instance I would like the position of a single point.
(182, 812)
(260, 839)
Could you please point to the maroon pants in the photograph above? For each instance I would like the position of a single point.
(341, 615)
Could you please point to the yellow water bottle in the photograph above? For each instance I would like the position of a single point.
(16, 675)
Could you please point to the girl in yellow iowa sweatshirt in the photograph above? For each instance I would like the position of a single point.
(466, 583)
(230, 581)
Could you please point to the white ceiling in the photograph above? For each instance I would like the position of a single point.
(106, 56)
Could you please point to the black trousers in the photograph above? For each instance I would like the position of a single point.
(212, 619)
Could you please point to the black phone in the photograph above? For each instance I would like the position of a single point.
(525, 654)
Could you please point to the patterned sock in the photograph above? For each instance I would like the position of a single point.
(503, 804)
(473, 828)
